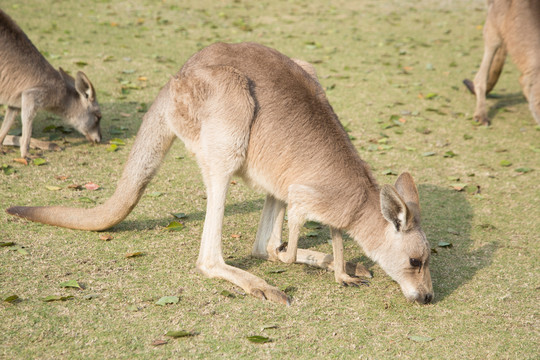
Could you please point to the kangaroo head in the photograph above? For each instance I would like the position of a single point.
(405, 253)
(81, 106)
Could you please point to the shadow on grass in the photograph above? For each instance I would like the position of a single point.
(447, 216)
(504, 101)
(244, 207)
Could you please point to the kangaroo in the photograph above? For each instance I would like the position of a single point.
(28, 83)
(248, 110)
(513, 27)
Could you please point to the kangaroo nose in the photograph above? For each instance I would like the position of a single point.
(428, 298)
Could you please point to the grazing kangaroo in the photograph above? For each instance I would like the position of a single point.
(29, 83)
(512, 26)
(248, 110)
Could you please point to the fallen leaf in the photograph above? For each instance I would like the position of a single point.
(258, 339)
(142, 78)
(449, 154)
(71, 284)
(12, 299)
(87, 200)
(277, 271)
(112, 148)
(175, 226)
(430, 96)
(6, 243)
(179, 215)
(420, 338)
(118, 142)
(61, 177)
(155, 194)
(227, 294)
(267, 327)
(53, 188)
(179, 334)
(452, 231)
(39, 161)
(236, 236)
(21, 161)
(56, 298)
(428, 153)
(467, 137)
(8, 170)
(523, 170)
(91, 186)
(473, 190)
(389, 172)
(18, 248)
(105, 237)
(444, 244)
(81, 63)
(134, 254)
(312, 225)
(458, 186)
(159, 342)
(505, 163)
(75, 187)
(168, 300)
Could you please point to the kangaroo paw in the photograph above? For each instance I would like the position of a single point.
(272, 294)
(357, 270)
(346, 280)
(482, 119)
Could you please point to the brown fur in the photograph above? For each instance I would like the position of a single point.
(247, 110)
(511, 26)
(28, 83)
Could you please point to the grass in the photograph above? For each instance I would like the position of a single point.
(379, 61)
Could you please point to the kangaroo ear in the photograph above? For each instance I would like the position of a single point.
(406, 188)
(67, 78)
(84, 86)
(394, 209)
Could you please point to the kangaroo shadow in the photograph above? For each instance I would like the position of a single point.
(504, 101)
(447, 217)
(243, 207)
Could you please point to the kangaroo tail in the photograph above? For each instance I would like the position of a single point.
(154, 139)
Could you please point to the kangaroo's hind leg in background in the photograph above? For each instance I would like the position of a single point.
(492, 43)
(9, 118)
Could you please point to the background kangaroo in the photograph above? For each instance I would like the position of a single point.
(511, 26)
(29, 83)
(248, 110)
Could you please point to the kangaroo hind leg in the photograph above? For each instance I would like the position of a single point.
(224, 107)
(9, 118)
(268, 237)
(492, 43)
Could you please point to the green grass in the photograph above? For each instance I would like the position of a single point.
(378, 60)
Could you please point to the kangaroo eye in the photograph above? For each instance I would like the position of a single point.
(415, 262)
